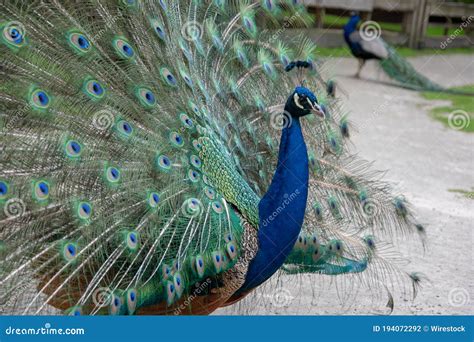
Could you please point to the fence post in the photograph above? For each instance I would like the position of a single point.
(418, 23)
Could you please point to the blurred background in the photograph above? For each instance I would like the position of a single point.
(406, 23)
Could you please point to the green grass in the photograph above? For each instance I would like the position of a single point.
(334, 52)
(465, 193)
(333, 21)
(403, 51)
(462, 103)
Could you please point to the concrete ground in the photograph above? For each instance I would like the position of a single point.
(424, 159)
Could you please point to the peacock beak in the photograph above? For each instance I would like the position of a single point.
(316, 109)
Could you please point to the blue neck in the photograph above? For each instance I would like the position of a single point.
(351, 26)
(282, 209)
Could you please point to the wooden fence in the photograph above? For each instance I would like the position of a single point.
(415, 15)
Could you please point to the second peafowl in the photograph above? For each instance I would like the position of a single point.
(169, 157)
(365, 44)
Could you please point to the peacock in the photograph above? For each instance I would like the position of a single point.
(365, 44)
(169, 157)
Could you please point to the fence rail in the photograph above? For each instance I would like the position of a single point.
(415, 17)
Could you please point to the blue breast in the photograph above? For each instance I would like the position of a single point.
(282, 209)
(349, 28)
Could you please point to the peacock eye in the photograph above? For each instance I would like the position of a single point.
(163, 5)
(199, 265)
(115, 305)
(185, 50)
(84, 210)
(217, 207)
(14, 34)
(210, 193)
(124, 128)
(79, 42)
(69, 251)
(186, 78)
(231, 250)
(129, 3)
(168, 77)
(369, 240)
(178, 285)
(170, 292)
(39, 99)
(132, 300)
(194, 108)
(164, 163)
(41, 190)
(217, 261)
(94, 89)
(132, 240)
(153, 199)
(73, 149)
(176, 139)
(193, 176)
(195, 161)
(3, 190)
(112, 174)
(186, 121)
(146, 97)
(335, 246)
(123, 48)
(242, 57)
(75, 311)
(192, 207)
(268, 4)
(158, 28)
(249, 25)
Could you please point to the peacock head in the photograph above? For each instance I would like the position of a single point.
(354, 19)
(303, 102)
